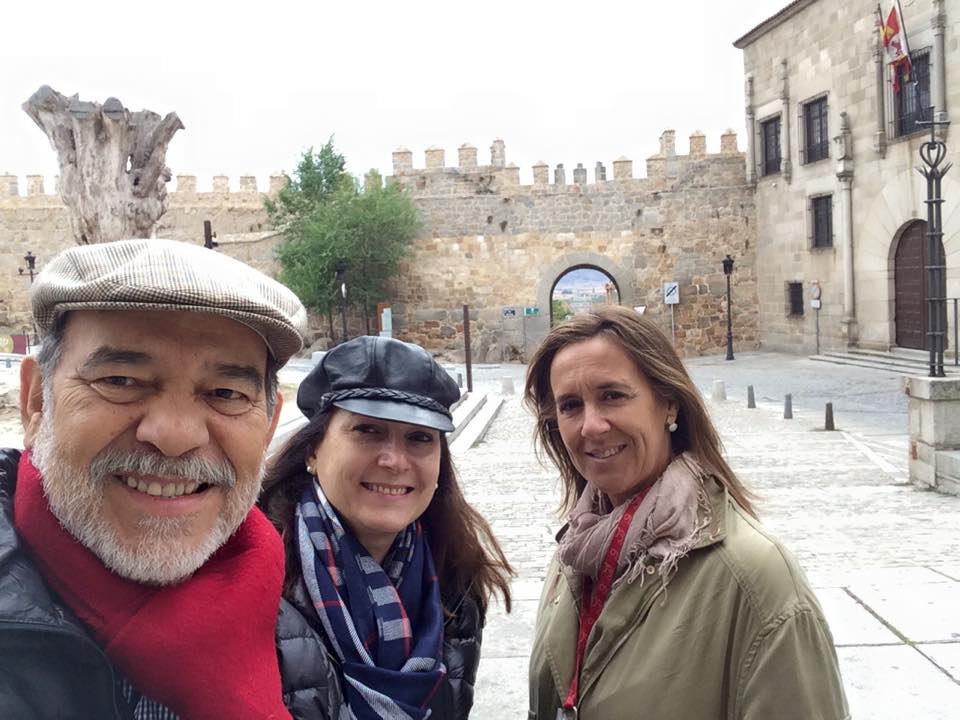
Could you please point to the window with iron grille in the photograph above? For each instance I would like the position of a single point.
(911, 98)
(821, 212)
(795, 298)
(770, 130)
(816, 140)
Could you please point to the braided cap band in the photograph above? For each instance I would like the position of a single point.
(331, 398)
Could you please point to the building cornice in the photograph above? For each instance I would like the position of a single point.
(770, 23)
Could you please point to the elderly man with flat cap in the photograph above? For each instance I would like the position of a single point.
(137, 580)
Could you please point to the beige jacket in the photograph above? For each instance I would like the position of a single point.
(736, 635)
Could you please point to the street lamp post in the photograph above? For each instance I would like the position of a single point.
(341, 268)
(728, 270)
(209, 235)
(31, 261)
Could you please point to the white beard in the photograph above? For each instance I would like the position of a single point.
(162, 554)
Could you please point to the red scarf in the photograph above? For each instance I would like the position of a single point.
(205, 647)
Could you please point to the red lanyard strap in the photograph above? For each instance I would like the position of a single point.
(592, 602)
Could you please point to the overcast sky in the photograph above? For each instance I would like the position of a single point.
(257, 83)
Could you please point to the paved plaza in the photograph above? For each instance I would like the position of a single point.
(883, 556)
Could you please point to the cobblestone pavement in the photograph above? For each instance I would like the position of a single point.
(883, 556)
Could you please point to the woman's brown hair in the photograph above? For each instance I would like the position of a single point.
(658, 363)
(466, 553)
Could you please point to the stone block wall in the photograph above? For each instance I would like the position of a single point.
(499, 247)
(933, 409)
(38, 222)
(491, 243)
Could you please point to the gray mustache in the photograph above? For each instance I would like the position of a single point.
(143, 462)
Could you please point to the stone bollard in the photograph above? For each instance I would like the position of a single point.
(506, 385)
(751, 401)
(828, 419)
(788, 407)
(719, 391)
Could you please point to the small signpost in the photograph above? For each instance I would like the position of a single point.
(815, 304)
(671, 297)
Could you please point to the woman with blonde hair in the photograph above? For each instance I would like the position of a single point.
(666, 597)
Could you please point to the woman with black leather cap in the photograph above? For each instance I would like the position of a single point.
(386, 560)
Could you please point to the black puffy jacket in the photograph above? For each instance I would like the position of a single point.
(50, 667)
(462, 635)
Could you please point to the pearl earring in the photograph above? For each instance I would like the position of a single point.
(310, 469)
(672, 426)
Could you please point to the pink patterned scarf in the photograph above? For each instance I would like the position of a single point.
(664, 529)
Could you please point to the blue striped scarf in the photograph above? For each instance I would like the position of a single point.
(385, 623)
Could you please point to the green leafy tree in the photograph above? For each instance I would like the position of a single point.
(317, 177)
(327, 217)
(560, 310)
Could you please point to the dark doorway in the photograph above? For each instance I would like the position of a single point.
(910, 287)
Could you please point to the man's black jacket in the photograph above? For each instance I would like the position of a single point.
(50, 667)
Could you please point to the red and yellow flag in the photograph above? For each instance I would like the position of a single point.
(895, 46)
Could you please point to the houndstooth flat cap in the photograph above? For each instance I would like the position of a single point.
(168, 275)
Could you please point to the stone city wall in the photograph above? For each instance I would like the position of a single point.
(38, 222)
(490, 242)
(499, 246)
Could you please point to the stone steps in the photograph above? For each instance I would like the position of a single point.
(898, 360)
(476, 427)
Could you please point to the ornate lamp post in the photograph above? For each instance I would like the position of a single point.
(31, 261)
(341, 268)
(932, 153)
(728, 270)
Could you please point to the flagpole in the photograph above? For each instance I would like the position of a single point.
(906, 46)
(903, 29)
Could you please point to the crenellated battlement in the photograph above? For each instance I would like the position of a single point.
(184, 185)
(500, 175)
(497, 173)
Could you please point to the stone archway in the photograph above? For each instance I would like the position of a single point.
(538, 327)
(580, 290)
(620, 275)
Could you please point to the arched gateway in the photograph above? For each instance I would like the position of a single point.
(580, 288)
(618, 275)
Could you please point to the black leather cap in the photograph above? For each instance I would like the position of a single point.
(382, 378)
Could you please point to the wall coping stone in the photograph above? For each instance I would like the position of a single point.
(928, 388)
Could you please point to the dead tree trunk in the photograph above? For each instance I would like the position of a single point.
(112, 173)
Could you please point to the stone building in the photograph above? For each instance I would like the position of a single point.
(832, 148)
(491, 243)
